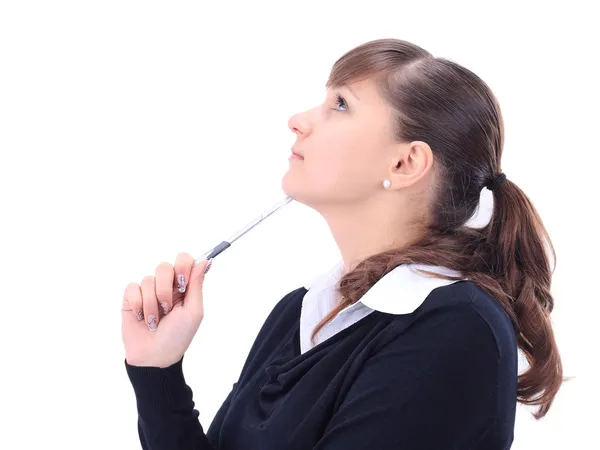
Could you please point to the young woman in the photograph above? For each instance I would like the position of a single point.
(410, 342)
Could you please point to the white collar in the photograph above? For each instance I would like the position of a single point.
(400, 291)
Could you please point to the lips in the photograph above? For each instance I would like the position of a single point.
(297, 155)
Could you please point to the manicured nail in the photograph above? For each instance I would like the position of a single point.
(208, 266)
(152, 323)
(140, 315)
(165, 307)
(181, 283)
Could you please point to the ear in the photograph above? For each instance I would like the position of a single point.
(411, 162)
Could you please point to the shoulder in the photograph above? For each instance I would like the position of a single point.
(448, 366)
(468, 310)
(290, 302)
(459, 335)
(286, 311)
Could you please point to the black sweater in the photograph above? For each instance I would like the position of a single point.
(443, 377)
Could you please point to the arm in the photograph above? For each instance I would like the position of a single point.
(166, 415)
(433, 388)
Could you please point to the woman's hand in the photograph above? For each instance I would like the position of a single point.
(161, 315)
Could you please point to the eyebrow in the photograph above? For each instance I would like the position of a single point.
(351, 91)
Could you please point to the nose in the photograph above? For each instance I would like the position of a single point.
(300, 125)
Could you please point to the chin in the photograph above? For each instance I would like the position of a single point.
(290, 187)
(310, 193)
(302, 193)
(295, 188)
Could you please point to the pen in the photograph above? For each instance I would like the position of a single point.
(226, 244)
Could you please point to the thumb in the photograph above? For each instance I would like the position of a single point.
(194, 301)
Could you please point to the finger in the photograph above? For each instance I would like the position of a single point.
(194, 300)
(183, 269)
(164, 286)
(150, 303)
(132, 300)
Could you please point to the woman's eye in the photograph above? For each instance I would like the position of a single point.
(339, 101)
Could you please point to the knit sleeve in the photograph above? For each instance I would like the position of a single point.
(166, 415)
(435, 391)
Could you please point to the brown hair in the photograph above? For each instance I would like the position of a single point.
(450, 108)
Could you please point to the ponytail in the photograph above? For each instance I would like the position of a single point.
(519, 260)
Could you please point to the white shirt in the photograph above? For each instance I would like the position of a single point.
(400, 291)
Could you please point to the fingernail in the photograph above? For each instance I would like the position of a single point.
(165, 307)
(208, 266)
(152, 323)
(140, 315)
(181, 283)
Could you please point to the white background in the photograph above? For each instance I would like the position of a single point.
(133, 130)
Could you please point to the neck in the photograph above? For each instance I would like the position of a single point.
(363, 230)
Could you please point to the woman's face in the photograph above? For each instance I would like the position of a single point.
(347, 145)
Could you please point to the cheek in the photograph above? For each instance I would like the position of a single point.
(331, 159)
(344, 166)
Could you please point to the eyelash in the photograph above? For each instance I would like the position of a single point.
(339, 99)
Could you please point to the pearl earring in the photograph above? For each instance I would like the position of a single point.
(387, 184)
